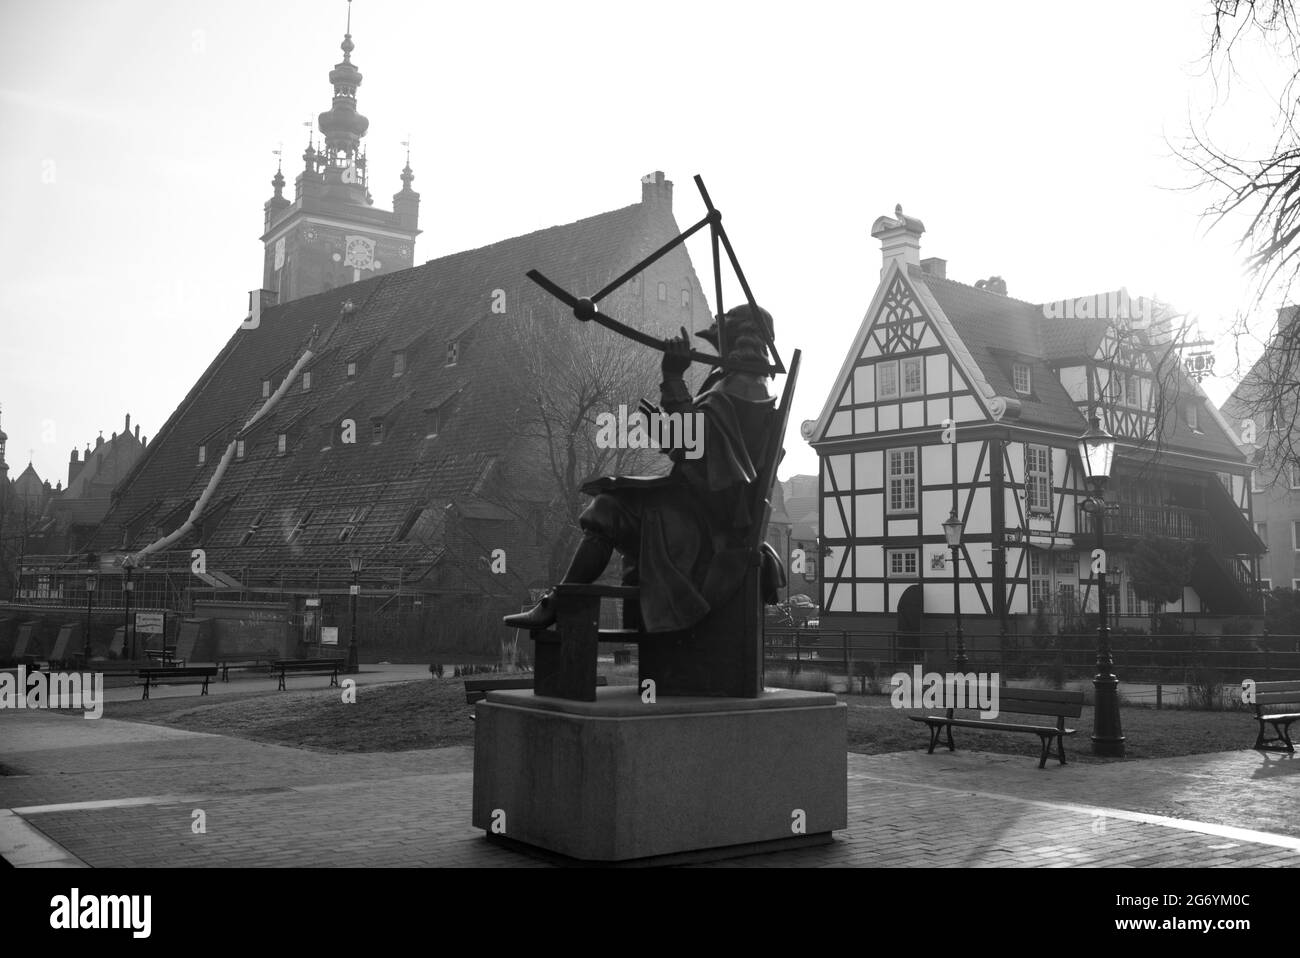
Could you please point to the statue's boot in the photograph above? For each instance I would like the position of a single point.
(588, 563)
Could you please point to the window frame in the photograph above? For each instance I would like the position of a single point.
(281, 444)
(914, 475)
(239, 449)
(897, 392)
(306, 380)
(1034, 476)
(919, 362)
(661, 292)
(399, 363)
(1016, 369)
(913, 554)
(1293, 474)
(203, 454)
(1295, 539)
(1192, 417)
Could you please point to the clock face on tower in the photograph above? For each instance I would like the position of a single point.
(359, 253)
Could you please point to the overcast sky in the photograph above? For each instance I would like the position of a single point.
(1031, 138)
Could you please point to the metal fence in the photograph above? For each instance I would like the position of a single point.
(1147, 666)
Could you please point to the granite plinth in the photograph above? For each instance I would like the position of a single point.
(620, 779)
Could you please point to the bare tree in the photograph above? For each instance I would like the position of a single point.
(1258, 196)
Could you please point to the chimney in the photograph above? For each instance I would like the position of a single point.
(137, 432)
(74, 466)
(934, 266)
(99, 440)
(900, 239)
(128, 424)
(656, 190)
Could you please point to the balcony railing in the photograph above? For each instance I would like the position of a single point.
(1170, 522)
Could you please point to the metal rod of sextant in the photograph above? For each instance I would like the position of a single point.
(735, 264)
(635, 334)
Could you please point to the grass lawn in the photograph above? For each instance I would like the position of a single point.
(432, 714)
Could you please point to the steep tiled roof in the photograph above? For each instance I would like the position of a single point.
(998, 330)
(390, 486)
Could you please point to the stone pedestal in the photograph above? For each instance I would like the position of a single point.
(619, 779)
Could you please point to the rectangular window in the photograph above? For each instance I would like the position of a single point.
(1266, 584)
(1293, 474)
(239, 449)
(662, 292)
(453, 353)
(901, 563)
(1295, 536)
(1038, 478)
(902, 480)
(352, 370)
(1193, 418)
(1295, 585)
(399, 363)
(1067, 563)
(1132, 392)
(266, 388)
(281, 444)
(887, 380)
(1261, 530)
(1067, 599)
(1256, 481)
(306, 380)
(913, 377)
(686, 299)
(376, 430)
(1021, 378)
(433, 419)
(1040, 581)
(203, 454)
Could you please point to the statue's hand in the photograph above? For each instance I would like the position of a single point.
(677, 356)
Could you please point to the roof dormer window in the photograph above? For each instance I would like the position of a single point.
(306, 380)
(399, 363)
(453, 353)
(1022, 378)
(266, 388)
(1193, 417)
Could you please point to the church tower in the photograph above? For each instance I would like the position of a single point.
(331, 234)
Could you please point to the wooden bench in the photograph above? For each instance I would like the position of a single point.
(255, 661)
(167, 656)
(176, 676)
(320, 666)
(1271, 698)
(1058, 704)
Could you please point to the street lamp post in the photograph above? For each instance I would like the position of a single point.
(91, 581)
(128, 588)
(1097, 451)
(952, 529)
(354, 562)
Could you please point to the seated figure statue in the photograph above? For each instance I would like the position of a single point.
(683, 536)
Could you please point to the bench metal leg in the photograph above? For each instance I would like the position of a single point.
(934, 728)
(281, 688)
(1281, 742)
(951, 746)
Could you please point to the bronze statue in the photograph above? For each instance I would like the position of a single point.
(682, 536)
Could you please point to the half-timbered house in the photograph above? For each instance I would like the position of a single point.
(962, 398)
